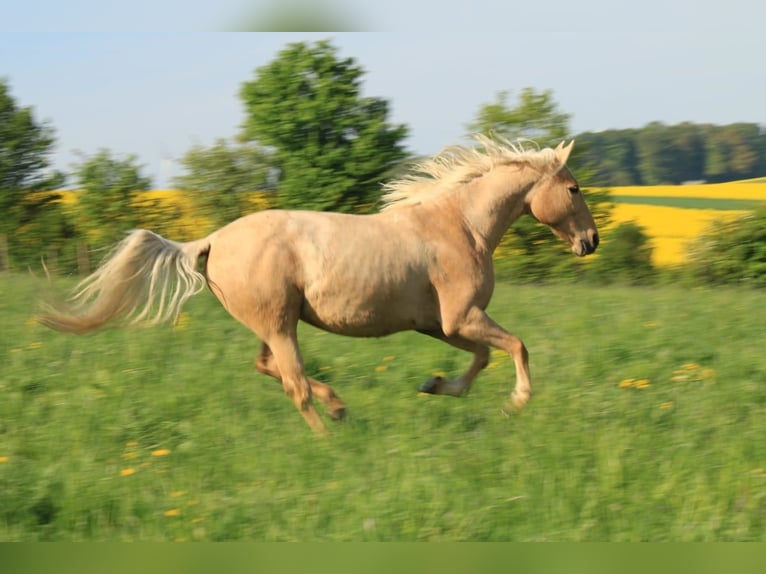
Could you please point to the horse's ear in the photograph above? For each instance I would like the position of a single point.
(562, 152)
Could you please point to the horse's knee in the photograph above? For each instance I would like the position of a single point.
(518, 350)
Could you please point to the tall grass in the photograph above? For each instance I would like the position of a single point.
(647, 423)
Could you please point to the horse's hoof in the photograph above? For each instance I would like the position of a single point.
(515, 404)
(431, 386)
(337, 414)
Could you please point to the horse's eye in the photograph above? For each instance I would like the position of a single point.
(574, 189)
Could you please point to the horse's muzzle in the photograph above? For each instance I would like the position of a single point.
(588, 246)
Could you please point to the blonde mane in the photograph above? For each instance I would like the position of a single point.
(458, 164)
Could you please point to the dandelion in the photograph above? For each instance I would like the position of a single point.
(127, 471)
(651, 324)
(4, 459)
(131, 443)
(160, 452)
(35, 345)
(642, 384)
(381, 368)
(666, 405)
(197, 520)
(388, 358)
(177, 494)
(626, 383)
(172, 512)
(690, 366)
(129, 455)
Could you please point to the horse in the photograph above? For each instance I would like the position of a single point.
(422, 262)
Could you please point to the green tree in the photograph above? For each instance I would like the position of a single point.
(331, 146)
(25, 148)
(732, 251)
(625, 256)
(107, 187)
(223, 178)
(535, 116)
(529, 251)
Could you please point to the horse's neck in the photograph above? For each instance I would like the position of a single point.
(491, 203)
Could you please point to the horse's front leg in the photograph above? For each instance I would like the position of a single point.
(478, 327)
(460, 386)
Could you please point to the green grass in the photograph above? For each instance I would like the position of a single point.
(587, 460)
(688, 202)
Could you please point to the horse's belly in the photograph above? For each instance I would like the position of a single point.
(370, 317)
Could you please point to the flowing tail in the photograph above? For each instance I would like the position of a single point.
(146, 279)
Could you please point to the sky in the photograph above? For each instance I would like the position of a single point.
(154, 78)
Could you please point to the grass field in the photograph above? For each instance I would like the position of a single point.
(647, 423)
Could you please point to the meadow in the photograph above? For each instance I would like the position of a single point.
(646, 424)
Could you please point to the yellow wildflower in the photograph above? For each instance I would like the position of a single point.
(4, 459)
(173, 512)
(690, 366)
(127, 471)
(388, 358)
(381, 368)
(666, 405)
(642, 384)
(626, 383)
(160, 452)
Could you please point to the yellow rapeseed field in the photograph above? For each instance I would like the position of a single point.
(672, 228)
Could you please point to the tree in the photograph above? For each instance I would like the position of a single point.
(107, 188)
(732, 251)
(25, 148)
(625, 256)
(529, 251)
(331, 146)
(224, 178)
(535, 117)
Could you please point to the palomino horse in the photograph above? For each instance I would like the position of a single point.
(423, 263)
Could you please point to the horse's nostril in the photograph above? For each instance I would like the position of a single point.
(595, 241)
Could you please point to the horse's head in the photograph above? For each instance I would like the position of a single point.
(556, 201)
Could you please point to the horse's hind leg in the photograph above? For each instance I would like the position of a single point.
(267, 364)
(460, 386)
(294, 381)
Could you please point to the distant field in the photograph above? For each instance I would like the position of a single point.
(674, 215)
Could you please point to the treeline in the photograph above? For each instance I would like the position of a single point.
(660, 154)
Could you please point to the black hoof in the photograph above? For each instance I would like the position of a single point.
(432, 385)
